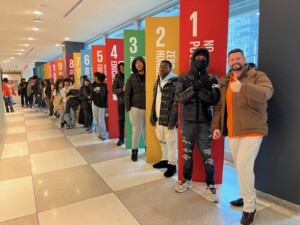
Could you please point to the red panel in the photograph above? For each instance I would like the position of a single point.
(69, 65)
(114, 55)
(204, 23)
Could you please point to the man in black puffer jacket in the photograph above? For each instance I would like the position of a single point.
(135, 103)
(164, 115)
(197, 91)
(118, 89)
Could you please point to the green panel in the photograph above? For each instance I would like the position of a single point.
(134, 45)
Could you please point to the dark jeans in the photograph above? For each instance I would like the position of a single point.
(88, 116)
(8, 103)
(24, 99)
(202, 133)
(121, 114)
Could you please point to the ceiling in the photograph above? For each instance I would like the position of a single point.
(88, 20)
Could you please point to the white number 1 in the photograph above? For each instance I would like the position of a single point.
(194, 19)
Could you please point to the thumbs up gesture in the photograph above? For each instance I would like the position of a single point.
(236, 85)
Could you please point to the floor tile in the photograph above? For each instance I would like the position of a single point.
(37, 117)
(18, 198)
(34, 114)
(63, 187)
(16, 130)
(124, 173)
(267, 216)
(286, 212)
(157, 203)
(103, 152)
(38, 122)
(15, 119)
(56, 160)
(75, 131)
(15, 149)
(45, 134)
(40, 127)
(15, 138)
(16, 167)
(15, 114)
(46, 145)
(26, 220)
(84, 139)
(106, 209)
(15, 124)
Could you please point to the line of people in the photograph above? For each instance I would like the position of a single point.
(240, 112)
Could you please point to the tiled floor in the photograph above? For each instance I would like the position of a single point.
(57, 176)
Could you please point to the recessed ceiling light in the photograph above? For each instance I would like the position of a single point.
(66, 38)
(37, 12)
(35, 29)
(8, 60)
(257, 14)
(30, 39)
(19, 53)
(26, 45)
(22, 50)
(5, 62)
(57, 45)
(11, 57)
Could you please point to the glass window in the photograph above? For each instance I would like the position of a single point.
(120, 33)
(243, 28)
(172, 11)
(98, 41)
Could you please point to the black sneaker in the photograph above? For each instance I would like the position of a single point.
(120, 142)
(248, 218)
(161, 164)
(62, 125)
(134, 155)
(237, 203)
(170, 171)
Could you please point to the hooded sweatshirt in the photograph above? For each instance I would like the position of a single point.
(135, 89)
(196, 105)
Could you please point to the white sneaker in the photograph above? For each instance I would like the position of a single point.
(183, 185)
(212, 194)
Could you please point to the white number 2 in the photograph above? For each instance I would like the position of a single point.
(162, 32)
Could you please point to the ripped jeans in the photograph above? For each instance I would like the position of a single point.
(202, 133)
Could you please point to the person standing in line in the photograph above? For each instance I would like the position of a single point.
(241, 114)
(23, 92)
(58, 101)
(135, 103)
(118, 89)
(197, 91)
(100, 104)
(164, 115)
(51, 87)
(85, 97)
(8, 91)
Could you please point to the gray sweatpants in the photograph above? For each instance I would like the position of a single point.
(137, 118)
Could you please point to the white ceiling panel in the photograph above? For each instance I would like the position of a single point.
(91, 18)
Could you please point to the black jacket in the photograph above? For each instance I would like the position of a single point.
(73, 101)
(84, 92)
(22, 89)
(135, 89)
(99, 94)
(168, 108)
(196, 106)
(117, 88)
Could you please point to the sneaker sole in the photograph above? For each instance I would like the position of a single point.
(181, 191)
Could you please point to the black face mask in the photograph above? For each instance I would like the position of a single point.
(200, 64)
